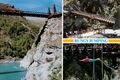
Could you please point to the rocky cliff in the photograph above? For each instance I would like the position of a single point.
(44, 60)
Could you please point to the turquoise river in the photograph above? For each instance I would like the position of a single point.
(11, 71)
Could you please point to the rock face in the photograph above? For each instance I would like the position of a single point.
(117, 22)
(44, 60)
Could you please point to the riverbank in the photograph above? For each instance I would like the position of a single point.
(10, 60)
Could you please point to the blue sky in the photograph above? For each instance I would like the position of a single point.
(34, 5)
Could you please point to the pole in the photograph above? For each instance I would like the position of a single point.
(94, 46)
(102, 59)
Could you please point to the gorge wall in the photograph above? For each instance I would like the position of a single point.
(44, 60)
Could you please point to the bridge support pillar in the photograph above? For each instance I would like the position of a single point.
(49, 12)
(54, 12)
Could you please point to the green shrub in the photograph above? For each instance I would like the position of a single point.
(20, 38)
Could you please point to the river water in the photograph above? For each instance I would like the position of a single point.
(11, 71)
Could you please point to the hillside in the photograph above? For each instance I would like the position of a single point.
(16, 36)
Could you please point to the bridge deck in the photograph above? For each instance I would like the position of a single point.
(25, 13)
(93, 16)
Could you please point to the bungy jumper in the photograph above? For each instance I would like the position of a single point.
(90, 60)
